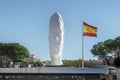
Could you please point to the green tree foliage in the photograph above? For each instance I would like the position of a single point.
(99, 50)
(78, 63)
(75, 63)
(38, 63)
(118, 42)
(14, 51)
(110, 46)
(103, 49)
(33, 64)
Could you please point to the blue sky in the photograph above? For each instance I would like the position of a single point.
(27, 22)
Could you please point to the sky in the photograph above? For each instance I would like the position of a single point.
(27, 22)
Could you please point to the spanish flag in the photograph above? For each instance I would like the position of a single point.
(89, 30)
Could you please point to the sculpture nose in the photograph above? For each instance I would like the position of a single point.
(56, 38)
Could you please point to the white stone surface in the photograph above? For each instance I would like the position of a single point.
(56, 38)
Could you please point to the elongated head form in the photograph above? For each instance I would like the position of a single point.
(56, 38)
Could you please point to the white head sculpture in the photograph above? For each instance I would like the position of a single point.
(56, 39)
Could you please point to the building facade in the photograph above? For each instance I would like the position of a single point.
(32, 58)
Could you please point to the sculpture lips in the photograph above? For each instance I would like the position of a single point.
(56, 38)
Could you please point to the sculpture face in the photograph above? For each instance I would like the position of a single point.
(56, 38)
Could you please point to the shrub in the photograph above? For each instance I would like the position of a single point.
(117, 62)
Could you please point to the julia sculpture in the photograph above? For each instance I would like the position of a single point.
(56, 39)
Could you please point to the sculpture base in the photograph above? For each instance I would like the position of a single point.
(55, 66)
(57, 61)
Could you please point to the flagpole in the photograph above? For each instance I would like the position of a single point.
(87, 30)
(82, 47)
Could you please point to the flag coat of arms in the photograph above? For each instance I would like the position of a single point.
(89, 30)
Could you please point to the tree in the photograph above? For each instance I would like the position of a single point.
(117, 41)
(103, 49)
(78, 63)
(33, 64)
(99, 50)
(75, 63)
(117, 62)
(4, 61)
(111, 46)
(14, 51)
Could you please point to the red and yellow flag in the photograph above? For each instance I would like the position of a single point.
(89, 30)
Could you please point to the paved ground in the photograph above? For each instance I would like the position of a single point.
(118, 73)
